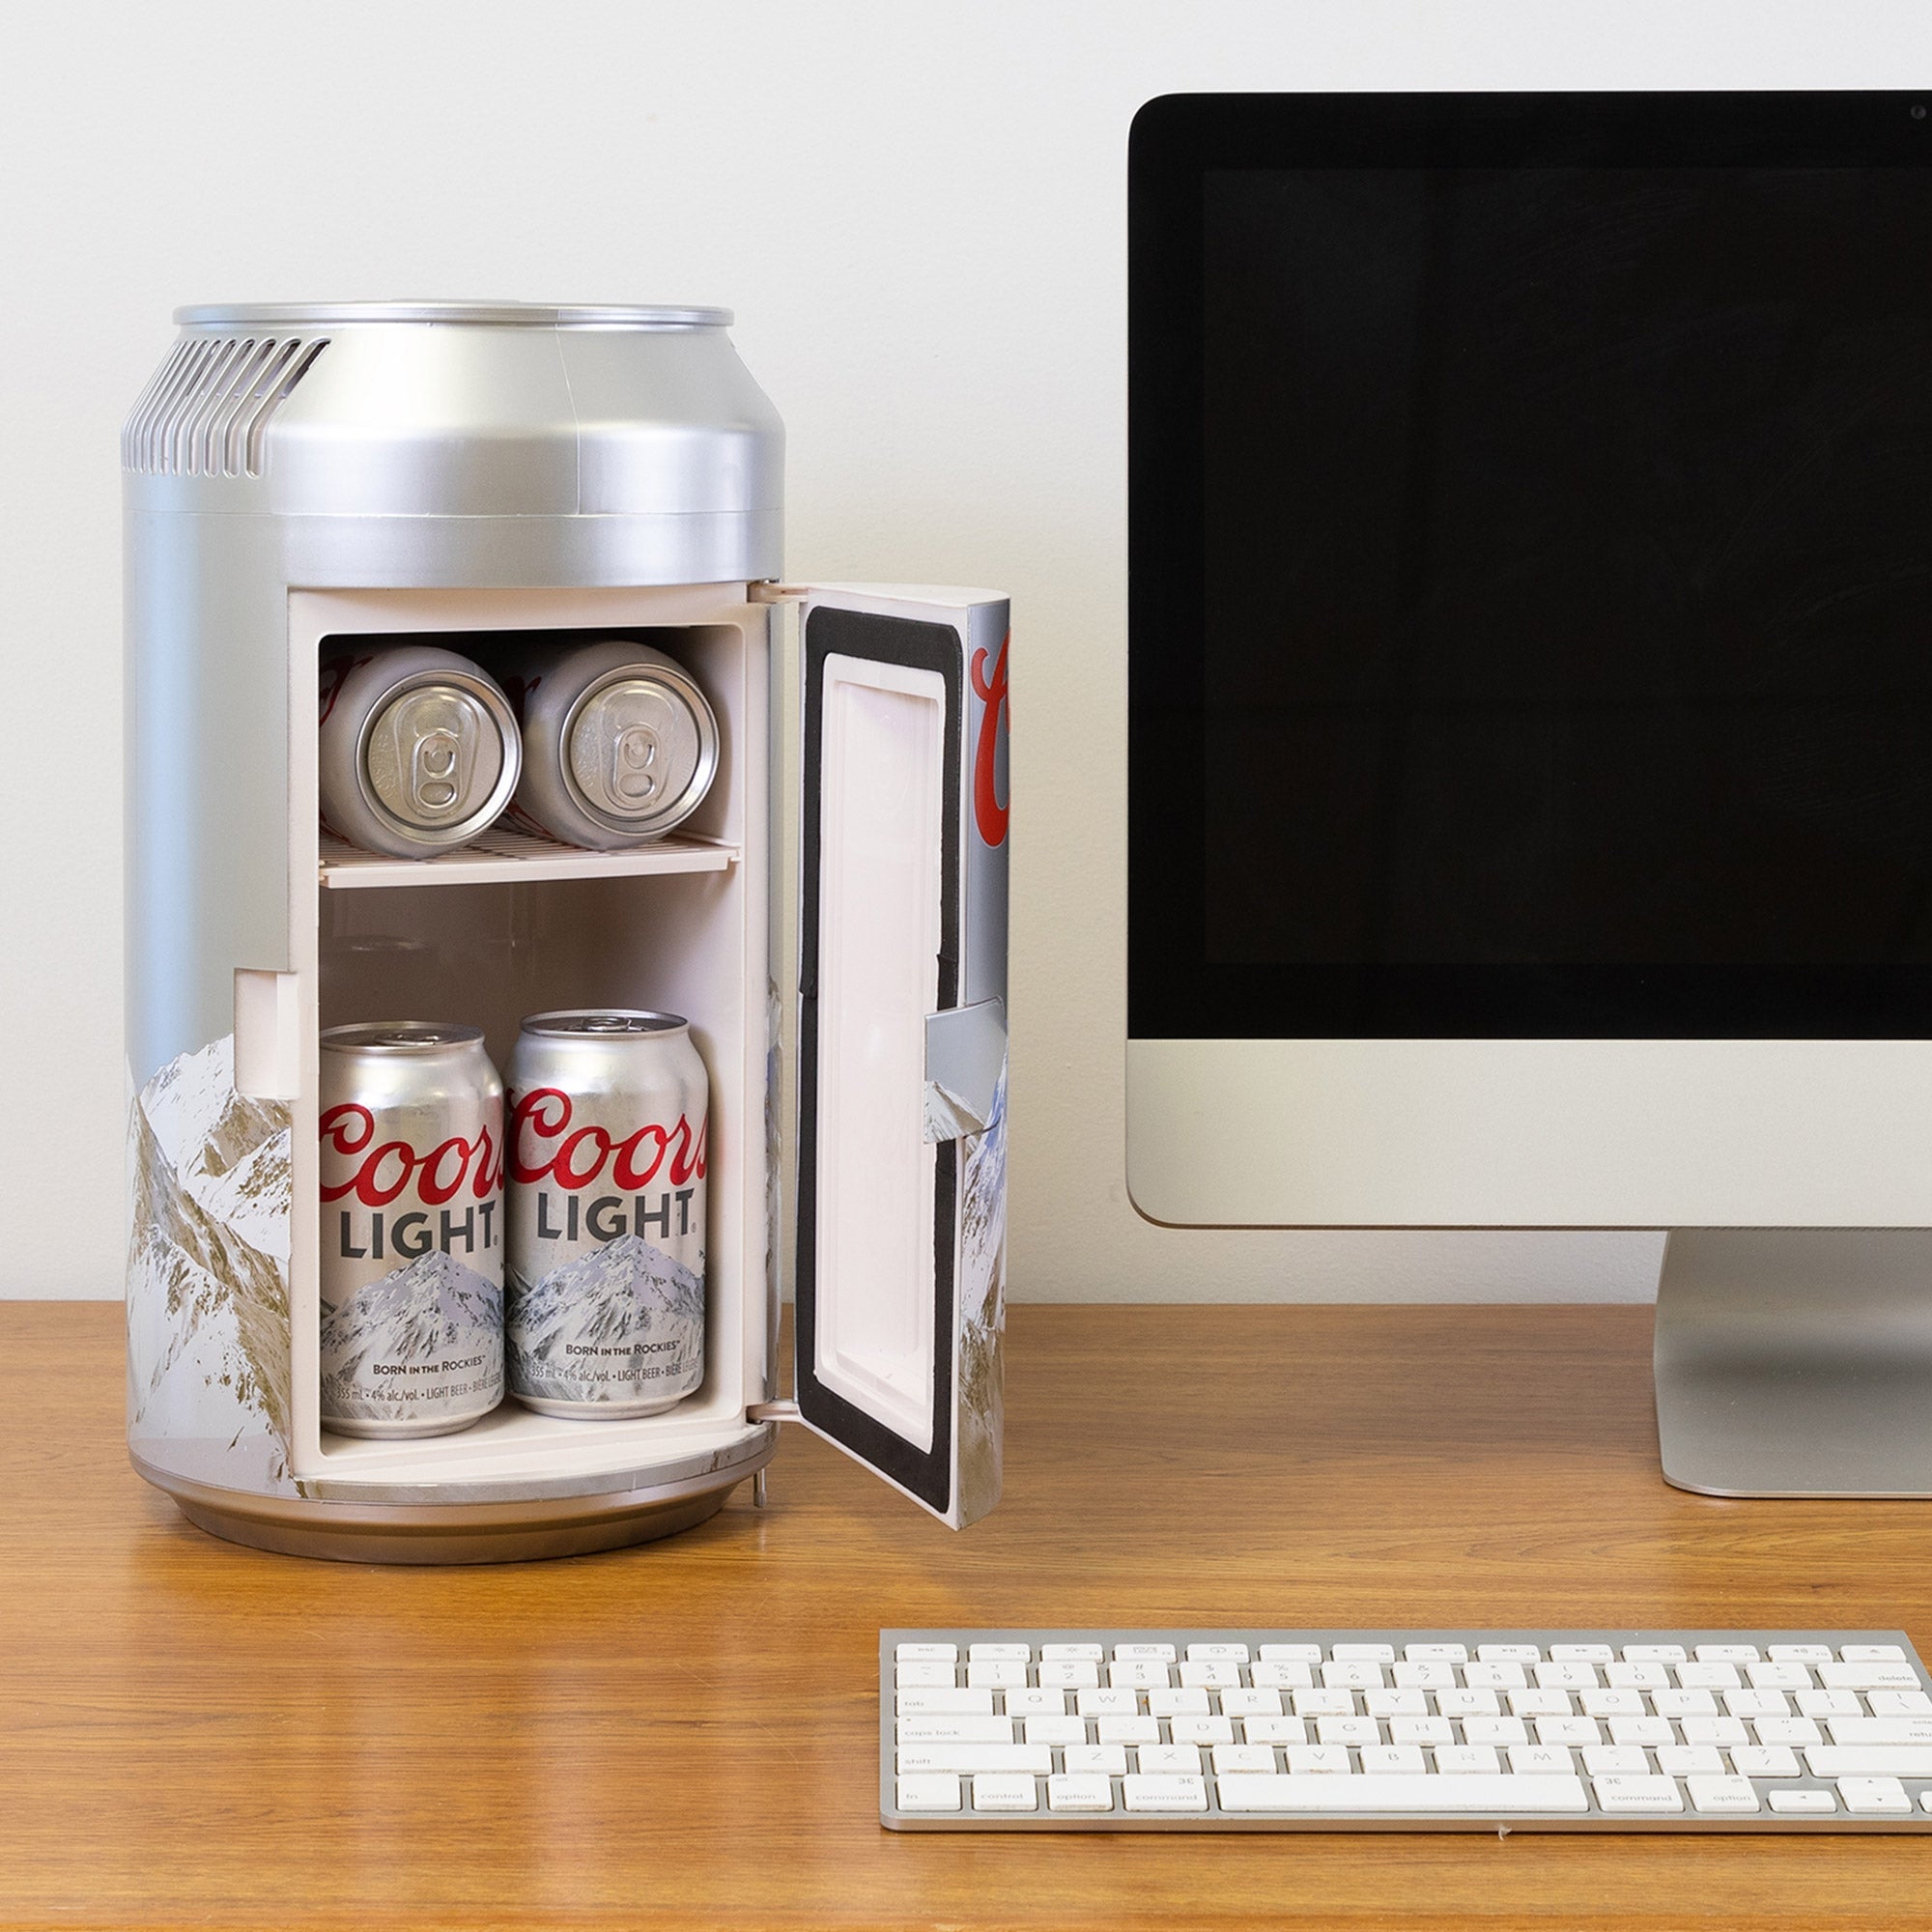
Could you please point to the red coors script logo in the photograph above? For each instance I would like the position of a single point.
(541, 1146)
(987, 810)
(386, 1171)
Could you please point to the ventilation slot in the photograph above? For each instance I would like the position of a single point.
(209, 408)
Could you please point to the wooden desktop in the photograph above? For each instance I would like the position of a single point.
(687, 1733)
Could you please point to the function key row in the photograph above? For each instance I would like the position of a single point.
(1811, 1654)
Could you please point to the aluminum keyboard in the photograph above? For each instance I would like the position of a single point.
(1277, 1730)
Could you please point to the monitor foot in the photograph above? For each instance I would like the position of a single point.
(1796, 1361)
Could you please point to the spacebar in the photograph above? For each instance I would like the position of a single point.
(1394, 1791)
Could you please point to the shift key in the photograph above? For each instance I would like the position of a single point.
(974, 1757)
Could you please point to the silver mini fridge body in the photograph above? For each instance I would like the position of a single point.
(831, 920)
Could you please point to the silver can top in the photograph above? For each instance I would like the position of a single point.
(440, 754)
(639, 748)
(582, 1022)
(475, 314)
(387, 1036)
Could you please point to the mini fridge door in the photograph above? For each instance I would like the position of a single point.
(899, 1258)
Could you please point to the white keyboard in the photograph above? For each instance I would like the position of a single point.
(1273, 1730)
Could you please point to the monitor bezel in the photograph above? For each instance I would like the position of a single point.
(1174, 991)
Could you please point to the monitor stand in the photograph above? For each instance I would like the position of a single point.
(1796, 1361)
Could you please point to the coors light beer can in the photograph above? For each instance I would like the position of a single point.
(605, 1160)
(619, 742)
(411, 1228)
(418, 752)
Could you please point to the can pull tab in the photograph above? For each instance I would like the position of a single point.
(633, 758)
(434, 769)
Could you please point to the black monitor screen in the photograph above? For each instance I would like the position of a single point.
(1532, 620)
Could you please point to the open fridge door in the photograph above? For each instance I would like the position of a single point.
(900, 1264)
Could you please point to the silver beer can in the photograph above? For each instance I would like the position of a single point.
(418, 752)
(412, 1186)
(619, 742)
(606, 1161)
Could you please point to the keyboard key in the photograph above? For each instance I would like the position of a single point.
(1144, 1653)
(1636, 1676)
(1538, 1760)
(1562, 1675)
(1167, 1758)
(1641, 1731)
(1421, 1731)
(1104, 1703)
(1581, 1653)
(1434, 1653)
(1708, 1676)
(1034, 1758)
(1617, 1703)
(1509, 1653)
(1863, 1761)
(924, 1676)
(1466, 1704)
(1721, 1794)
(1636, 1796)
(1072, 1653)
(1363, 1653)
(922, 1729)
(1280, 1676)
(1617, 1761)
(1466, 1760)
(1069, 1673)
(1211, 1675)
(1496, 1676)
(1323, 1703)
(1290, 1653)
(1872, 1653)
(1254, 1703)
(1396, 1793)
(1799, 1653)
(1034, 1703)
(930, 1791)
(961, 1701)
(1217, 1652)
(1056, 1730)
(1684, 1703)
(1401, 1760)
(1714, 1731)
(1145, 1793)
(1388, 1703)
(1128, 1730)
(925, 1653)
(1764, 1761)
(1232, 1759)
(1499, 1731)
(996, 1674)
(1779, 1677)
(1900, 1703)
(1567, 1731)
(1810, 1803)
(1266, 1730)
(1757, 1703)
(1787, 1731)
(1352, 1674)
(1540, 1703)
(1210, 1730)
(1828, 1703)
(1881, 1796)
(1347, 1731)
(1100, 1760)
(1326, 1760)
(1690, 1760)
(1424, 1676)
(1137, 1674)
(1077, 1792)
(1653, 1653)
(1867, 1677)
(999, 1653)
(1189, 1701)
(1880, 1730)
(1727, 1653)
(996, 1791)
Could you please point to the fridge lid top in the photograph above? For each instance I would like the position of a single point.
(480, 314)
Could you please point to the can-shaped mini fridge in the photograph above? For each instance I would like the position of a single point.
(514, 484)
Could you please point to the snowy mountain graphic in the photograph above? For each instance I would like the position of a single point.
(434, 1310)
(615, 1296)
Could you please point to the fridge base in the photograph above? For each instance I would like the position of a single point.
(426, 1533)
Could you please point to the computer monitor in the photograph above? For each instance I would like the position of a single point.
(1530, 711)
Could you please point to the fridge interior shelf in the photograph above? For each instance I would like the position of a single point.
(513, 857)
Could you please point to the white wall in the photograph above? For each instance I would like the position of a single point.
(917, 213)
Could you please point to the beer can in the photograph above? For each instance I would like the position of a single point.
(605, 1160)
(411, 1228)
(619, 742)
(418, 749)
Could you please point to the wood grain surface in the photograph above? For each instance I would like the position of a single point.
(684, 1734)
